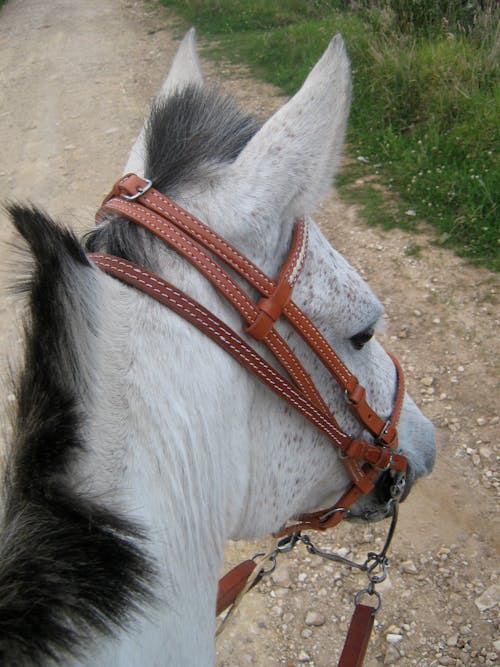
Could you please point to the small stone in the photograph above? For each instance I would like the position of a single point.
(281, 577)
(307, 633)
(496, 644)
(485, 452)
(446, 660)
(409, 567)
(288, 617)
(343, 551)
(489, 598)
(302, 576)
(436, 320)
(303, 657)
(248, 659)
(427, 381)
(394, 638)
(315, 618)
(481, 421)
(453, 640)
(391, 655)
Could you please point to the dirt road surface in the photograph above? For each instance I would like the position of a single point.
(76, 78)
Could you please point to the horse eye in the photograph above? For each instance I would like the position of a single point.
(360, 339)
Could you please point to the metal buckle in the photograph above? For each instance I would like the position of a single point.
(140, 191)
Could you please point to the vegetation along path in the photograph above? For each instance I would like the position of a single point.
(75, 80)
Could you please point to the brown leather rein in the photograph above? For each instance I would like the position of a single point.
(136, 199)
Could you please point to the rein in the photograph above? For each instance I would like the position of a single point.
(136, 199)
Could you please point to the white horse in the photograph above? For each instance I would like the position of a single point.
(140, 446)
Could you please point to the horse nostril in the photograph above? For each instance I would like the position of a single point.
(382, 487)
(391, 485)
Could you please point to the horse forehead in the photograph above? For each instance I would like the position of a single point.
(337, 286)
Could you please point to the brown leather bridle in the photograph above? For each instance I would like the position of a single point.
(136, 199)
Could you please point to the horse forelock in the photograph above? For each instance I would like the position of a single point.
(190, 132)
(188, 135)
(69, 566)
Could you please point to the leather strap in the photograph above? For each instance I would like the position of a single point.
(223, 335)
(358, 636)
(232, 583)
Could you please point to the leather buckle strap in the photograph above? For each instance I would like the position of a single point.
(271, 307)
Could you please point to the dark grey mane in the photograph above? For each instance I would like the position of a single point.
(68, 566)
(187, 136)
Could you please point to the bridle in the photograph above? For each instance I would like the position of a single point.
(136, 199)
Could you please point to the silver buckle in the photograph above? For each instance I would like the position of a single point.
(140, 191)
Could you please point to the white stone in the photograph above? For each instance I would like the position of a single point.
(409, 567)
(343, 551)
(315, 618)
(281, 577)
(393, 638)
(489, 599)
(391, 656)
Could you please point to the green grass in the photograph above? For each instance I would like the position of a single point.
(426, 100)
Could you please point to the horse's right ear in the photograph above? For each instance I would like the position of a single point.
(289, 164)
(185, 69)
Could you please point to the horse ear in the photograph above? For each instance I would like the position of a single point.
(185, 70)
(290, 163)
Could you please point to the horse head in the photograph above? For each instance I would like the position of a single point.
(281, 172)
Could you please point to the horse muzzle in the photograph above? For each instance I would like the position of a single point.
(392, 486)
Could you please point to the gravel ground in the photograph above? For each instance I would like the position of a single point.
(76, 78)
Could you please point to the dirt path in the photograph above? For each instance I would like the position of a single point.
(75, 81)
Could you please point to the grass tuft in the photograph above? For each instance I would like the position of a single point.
(426, 99)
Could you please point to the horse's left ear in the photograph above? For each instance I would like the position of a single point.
(290, 163)
(185, 70)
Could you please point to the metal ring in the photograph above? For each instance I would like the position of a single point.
(366, 591)
(331, 512)
(270, 557)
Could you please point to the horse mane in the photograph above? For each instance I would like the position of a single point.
(188, 135)
(69, 566)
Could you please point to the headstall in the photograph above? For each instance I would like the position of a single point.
(136, 199)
